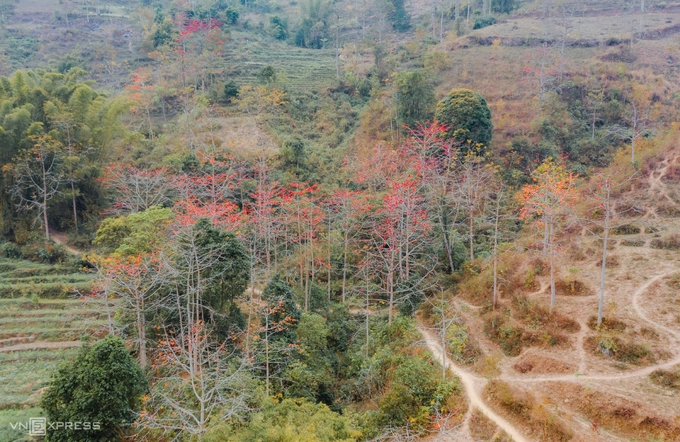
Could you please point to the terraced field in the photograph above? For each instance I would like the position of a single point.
(298, 68)
(42, 322)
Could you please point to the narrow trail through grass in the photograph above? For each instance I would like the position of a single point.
(473, 384)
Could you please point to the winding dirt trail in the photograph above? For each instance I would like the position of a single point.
(473, 384)
(611, 377)
(640, 312)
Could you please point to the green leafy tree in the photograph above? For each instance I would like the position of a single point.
(291, 420)
(147, 231)
(281, 300)
(294, 157)
(279, 319)
(398, 15)
(468, 116)
(267, 75)
(210, 268)
(142, 232)
(231, 90)
(102, 385)
(231, 14)
(279, 27)
(311, 375)
(313, 28)
(164, 33)
(415, 98)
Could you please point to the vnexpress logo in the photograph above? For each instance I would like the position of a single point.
(37, 426)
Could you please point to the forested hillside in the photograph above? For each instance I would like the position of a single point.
(349, 220)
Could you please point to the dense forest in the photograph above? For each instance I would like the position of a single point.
(369, 220)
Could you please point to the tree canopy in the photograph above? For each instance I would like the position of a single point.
(102, 385)
(468, 116)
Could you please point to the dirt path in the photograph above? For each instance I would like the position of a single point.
(611, 377)
(61, 239)
(472, 385)
(580, 337)
(656, 184)
(638, 308)
(40, 345)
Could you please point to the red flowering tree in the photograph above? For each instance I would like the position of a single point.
(401, 231)
(303, 218)
(547, 202)
(142, 91)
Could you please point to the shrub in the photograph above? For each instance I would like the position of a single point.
(525, 407)
(623, 351)
(415, 393)
(510, 338)
(671, 242)
(633, 352)
(483, 22)
(633, 242)
(665, 378)
(463, 349)
(231, 90)
(611, 324)
(10, 250)
(572, 287)
(627, 229)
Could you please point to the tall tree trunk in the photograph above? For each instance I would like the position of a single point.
(472, 236)
(441, 25)
(344, 266)
(367, 306)
(337, 50)
(390, 290)
(44, 203)
(443, 223)
(141, 330)
(552, 268)
(600, 305)
(266, 353)
(75, 210)
(495, 253)
(329, 258)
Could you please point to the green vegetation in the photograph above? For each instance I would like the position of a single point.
(270, 203)
(467, 115)
(289, 421)
(102, 385)
(415, 98)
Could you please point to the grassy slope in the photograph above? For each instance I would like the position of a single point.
(26, 321)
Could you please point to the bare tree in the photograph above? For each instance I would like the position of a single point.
(472, 189)
(549, 200)
(498, 197)
(37, 178)
(201, 381)
(137, 189)
(605, 186)
(638, 119)
(136, 283)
